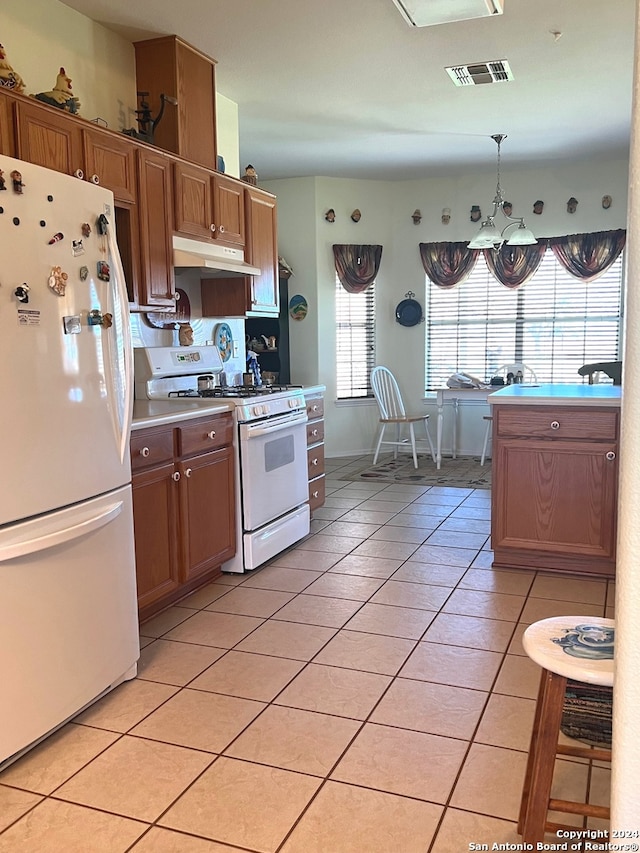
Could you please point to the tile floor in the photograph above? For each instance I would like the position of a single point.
(366, 692)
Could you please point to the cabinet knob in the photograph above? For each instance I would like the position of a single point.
(94, 179)
(212, 227)
(211, 434)
(555, 425)
(187, 473)
(175, 476)
(315, 494)
(314, 432)
(314, 461)
(314, 408)
(145, 452)
(610, 456)
(221, 229)
(79, 174)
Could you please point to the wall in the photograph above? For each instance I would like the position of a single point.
(228, 134)
(305, 239)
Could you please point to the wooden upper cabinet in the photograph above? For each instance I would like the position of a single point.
(172, 67)
(157, 286)
(48, 138)
(193, 208)
(7, 140)
(111, 163)
(262, 250)
(228, 210)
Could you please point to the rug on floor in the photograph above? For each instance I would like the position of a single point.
(463, 472)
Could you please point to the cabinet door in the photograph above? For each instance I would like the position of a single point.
(155, 203)
(207, 511)
(7, 143)
(193, 211)
(555, 497)
(49, 138)
(228, 210)
(110, 162)
(262, 251)
(154, 520)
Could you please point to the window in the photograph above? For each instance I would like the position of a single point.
(554, 323)
(355, 341)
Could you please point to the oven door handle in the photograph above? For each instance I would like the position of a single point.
(256, 430)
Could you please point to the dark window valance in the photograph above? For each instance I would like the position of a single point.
(447, 264)
(356, 265)
(587, 256)
(514, 265)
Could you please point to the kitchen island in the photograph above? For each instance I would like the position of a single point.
(555, 477)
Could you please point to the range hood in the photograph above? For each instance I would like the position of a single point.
(212, 260)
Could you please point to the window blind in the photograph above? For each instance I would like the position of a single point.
(554, 323)
(355, 341)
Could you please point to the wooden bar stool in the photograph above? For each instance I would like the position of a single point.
(576, 647)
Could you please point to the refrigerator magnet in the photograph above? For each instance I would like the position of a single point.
(77, 248)
(103, 271)
(56, 238)
(58, 280)
(72, 324)
(86, 229)
(84, 273)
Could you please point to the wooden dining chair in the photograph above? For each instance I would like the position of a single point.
(393, 414)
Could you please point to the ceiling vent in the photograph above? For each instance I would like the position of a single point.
(427, 13)
(496, 71)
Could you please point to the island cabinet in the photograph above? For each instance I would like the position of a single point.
(554, 491)
(208, 206)
(183, 507)
(315, 448)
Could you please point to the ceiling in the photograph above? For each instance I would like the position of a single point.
(346, 88)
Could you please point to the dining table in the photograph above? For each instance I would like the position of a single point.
(453, 397)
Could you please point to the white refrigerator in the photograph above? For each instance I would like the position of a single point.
(68, 618)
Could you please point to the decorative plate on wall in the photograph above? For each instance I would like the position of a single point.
(409, 311)
(298, 307)
(223, 339)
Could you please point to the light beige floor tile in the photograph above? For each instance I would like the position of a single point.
(569, 783)
(543, 608)
(441, 498)
(421, 596)
(378, 504)
(412, 764)
(456, 524)
(165, 621)
(496, 580)
(350, 819)
(484, 560)
(358, 489)
(229, 579)
(470, 632)
(245, 804)
(125, 706)
(600, 794)
(332, 690)
(427, 707)
(248, 676)
(135, 778)
(405, 489)
(329, 512)
(488, 605)
(491, 782)
(175, 663)
(53, 827)
(146, 641)
(317, 524)
(287, 640)
(351, 528)
(458, 825)
(333, 544)
(373, 567)
(295, 740)
(430, 512)
(13, 804)
(452, 665)
(458, 540)
(515, 646)
(203, 596)
(251, 602)
(159, 840)
(465, 510)
(317, 610)
(425, 573)
(438, 555)
(569, 589)
(391, 621)
(390, 533)
(281, 578)
(367, 516)
(200, 720)
(519, 676)
(507, 721)
(367, 652)
(416, 521)
(354, 587)
(57, 758)
(342, 503)
(378, 548)
(222, 630)
(309, 560)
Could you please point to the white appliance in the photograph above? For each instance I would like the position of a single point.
(270, 447)
(68, 618)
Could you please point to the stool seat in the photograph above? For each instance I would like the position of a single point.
(578, 647)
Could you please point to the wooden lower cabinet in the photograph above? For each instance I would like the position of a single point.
(554, 492)
(315, 449)
(183, 507)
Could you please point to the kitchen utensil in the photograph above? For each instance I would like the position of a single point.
(207, 382)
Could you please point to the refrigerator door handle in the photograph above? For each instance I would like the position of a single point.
(59, 537)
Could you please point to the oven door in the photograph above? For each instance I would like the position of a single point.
(273, 467)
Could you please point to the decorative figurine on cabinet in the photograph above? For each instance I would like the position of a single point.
(16, 180)
(61, 95)
(3, 184)
(9, 78)
(250, 175)
(146, 123)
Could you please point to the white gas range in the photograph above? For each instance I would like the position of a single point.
(270, 445)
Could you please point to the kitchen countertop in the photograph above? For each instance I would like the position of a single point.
(563, 395)
(307, 390)
(150, 413)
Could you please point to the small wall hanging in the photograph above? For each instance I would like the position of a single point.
(409, 311)
(606, 202)
(538, 206)
(476, 213)
(416, 216)
(446, 215)
(330, 215)
(572, 205)
(298, 307)
(356, 215)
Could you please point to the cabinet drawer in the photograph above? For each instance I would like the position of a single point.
(315, 432)
(316, 493)
(315, 461)
(556, 422)
(151, 447)
(315, 408)
(200, 436)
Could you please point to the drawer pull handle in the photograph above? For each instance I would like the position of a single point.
(315, 408)
(212, 227)
(555, 425)
(221, 229)
(145, 452)
(94, 179)
(187, 473)
(314, 461)
(211, 434)
(79, 174)
(610, 456)
(314, 432)
(175, 476)
(316, 493)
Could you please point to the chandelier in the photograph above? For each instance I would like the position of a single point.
(489, 236)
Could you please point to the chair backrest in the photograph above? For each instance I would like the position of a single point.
(613, 369)
(387, 394)
(528, 374)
